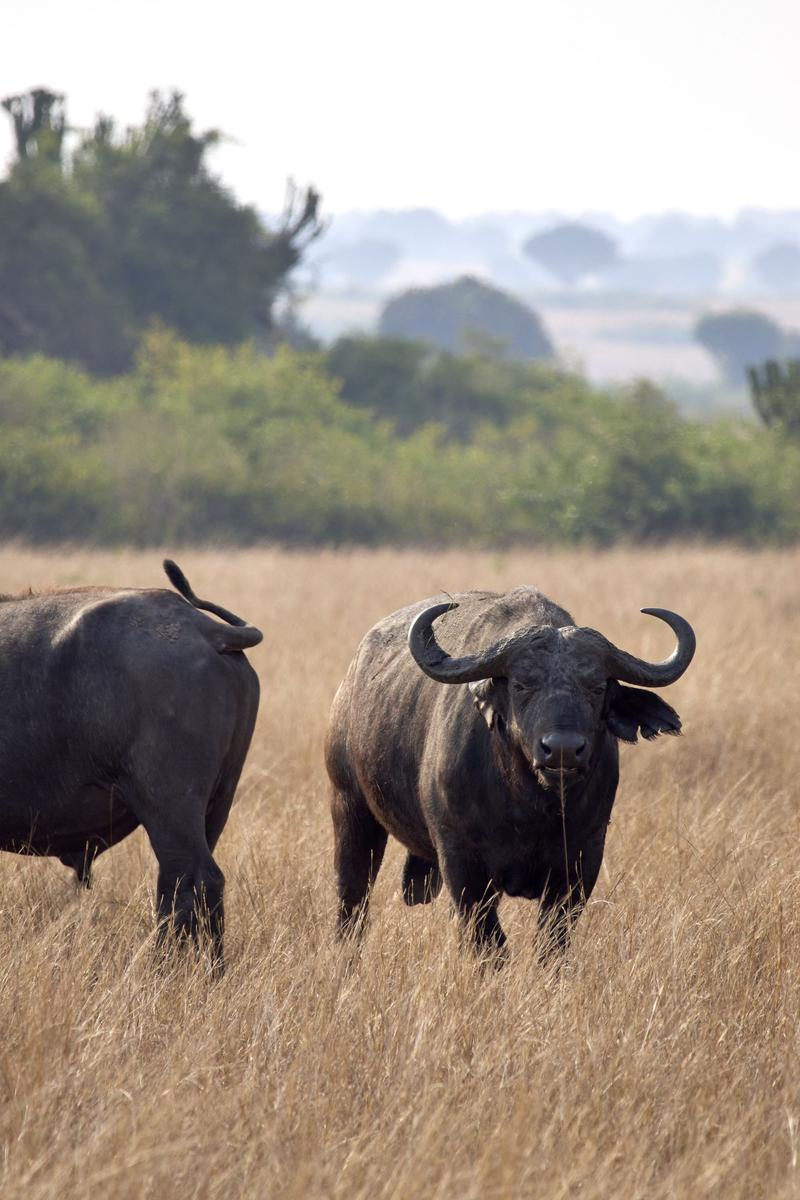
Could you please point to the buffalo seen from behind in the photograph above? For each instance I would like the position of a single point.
(501, 781)
(119, 708)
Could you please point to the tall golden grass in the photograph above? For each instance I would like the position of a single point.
(662, 1061)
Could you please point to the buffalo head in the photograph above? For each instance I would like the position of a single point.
(552, 692)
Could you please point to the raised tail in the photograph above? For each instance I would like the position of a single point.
(227, 641)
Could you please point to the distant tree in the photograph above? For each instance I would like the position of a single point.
(136, 229)
(738, 339)
(571, 251)
(451, 315)
(775, 392)
(779, 267)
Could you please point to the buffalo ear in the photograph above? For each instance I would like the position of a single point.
(632, 710)
(489, 697)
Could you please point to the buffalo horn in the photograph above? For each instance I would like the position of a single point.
(629, 669)
(437, 663)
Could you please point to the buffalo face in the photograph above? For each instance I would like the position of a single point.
(550, 705)
(553, 692)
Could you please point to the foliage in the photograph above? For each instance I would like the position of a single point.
(412, 385)
(571, 251)
(738, 339)
(57, 294)
(453, 315)
(214, 443)
(775, 391)
(40, 122)
(135, 229)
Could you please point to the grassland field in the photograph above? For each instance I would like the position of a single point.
(662, 1061)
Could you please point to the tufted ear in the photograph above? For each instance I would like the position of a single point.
(631, 710)
(489, 697)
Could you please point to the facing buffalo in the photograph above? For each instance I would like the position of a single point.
(121, 708)
(496, 769)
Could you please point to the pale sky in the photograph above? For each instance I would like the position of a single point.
(629, 106)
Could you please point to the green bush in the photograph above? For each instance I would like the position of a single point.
(225, 445)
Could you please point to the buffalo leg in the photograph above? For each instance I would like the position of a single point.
(563, 902)
(219, 806)
(81, 862)
(189, 891)
(558, 912)
(475, 898)
(359, 843)
(189, 897)
(422, 880)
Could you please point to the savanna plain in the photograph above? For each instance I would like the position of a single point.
(662, 1059)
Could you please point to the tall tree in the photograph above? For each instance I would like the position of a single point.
(160, 239)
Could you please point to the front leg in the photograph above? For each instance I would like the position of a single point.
(474, 895)
(563, 898)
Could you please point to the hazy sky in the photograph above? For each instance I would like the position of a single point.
(625, 105)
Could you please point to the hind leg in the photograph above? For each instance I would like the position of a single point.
(190, 886)
(81, 862)
(219, 806)
(422, 880)
(189, 896)
(359, 843)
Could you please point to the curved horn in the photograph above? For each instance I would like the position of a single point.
(629, 669)
(437, 663)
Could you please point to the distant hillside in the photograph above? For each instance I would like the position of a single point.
(634, 317)
(662, 254)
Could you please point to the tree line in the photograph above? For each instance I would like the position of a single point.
(148, 394)
(214, 443)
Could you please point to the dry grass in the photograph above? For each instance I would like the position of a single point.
(662, 1062)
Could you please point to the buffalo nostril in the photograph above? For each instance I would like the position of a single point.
(565, 750)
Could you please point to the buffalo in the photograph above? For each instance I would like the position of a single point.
(496, 767)
(119, 708)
